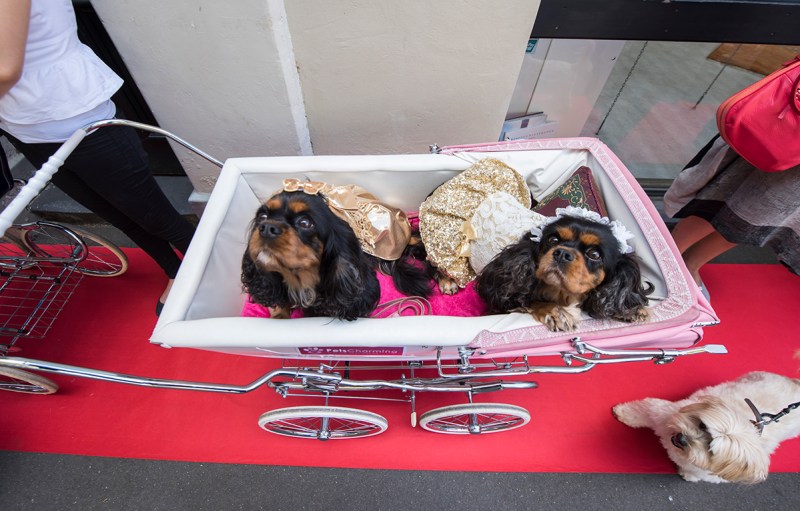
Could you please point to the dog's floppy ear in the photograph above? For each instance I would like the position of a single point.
(735, 452)
(265, 288)
(349, 288)
(621, 295)
(739, 458)
(508, 281)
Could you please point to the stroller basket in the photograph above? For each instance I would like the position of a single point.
(34, 287)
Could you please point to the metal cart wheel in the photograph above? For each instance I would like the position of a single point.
(17, 380)
(109, 261)
(103, 258)
(474, 418)
(323, 422)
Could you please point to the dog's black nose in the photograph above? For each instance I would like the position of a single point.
(679, 440)
(270, 230)
(563, 256)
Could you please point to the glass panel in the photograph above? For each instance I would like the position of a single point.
(652, 102)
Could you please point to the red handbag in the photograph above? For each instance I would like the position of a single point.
(762, 121)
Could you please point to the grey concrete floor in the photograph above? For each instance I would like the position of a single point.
(43, 482)
(54, 482)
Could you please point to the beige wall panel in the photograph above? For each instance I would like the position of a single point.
(212, 74)
(382, 76)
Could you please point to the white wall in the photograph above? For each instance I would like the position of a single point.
(388, 77)
(212, 74)
(370, 76)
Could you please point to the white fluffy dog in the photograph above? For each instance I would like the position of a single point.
(711, 435)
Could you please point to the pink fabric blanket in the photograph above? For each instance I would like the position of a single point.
(465, 303)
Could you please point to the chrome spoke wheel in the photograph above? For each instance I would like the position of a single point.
(474, 418)
(103, 258)
(49, 240)
(17, 380)
(322, 422)
(13, 254)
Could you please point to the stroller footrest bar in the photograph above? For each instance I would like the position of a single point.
(95, 374)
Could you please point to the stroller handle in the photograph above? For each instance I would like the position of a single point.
(43, 176)
(38, 181)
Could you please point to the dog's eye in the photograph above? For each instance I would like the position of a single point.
(594, 254)
(263, 216)
(552, 239)
(304, 222)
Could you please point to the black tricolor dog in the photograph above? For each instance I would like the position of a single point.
(301, 255)
(576, 265)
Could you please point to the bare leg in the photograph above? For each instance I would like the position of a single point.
(689, 231)
(165, 294)
(705, 250)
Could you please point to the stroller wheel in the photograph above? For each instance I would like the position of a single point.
(17, 380)
(323, 422)
(474, 418)
(103, 258)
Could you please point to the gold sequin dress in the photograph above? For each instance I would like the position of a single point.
(444, 217)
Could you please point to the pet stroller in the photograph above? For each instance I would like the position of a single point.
(464, 355)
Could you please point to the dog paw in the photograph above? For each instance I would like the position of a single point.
(689, 477)
(694, 475)
(278, 312)
(555, 317)
(640, 315)
(447, 285)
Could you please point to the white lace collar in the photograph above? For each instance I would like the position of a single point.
(621, 233)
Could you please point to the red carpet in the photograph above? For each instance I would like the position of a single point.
(108, 322)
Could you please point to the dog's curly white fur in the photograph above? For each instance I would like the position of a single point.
(710, 436)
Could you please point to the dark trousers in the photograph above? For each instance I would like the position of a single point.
(109, 174)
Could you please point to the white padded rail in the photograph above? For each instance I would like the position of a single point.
(203, 310)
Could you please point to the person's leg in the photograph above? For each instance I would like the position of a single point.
(113, 163)
(121, 174)
(704, 251)
(109, 174)
(689, 231)
(71, 183)
(158, 249)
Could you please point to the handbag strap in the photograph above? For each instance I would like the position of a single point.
(794, 100)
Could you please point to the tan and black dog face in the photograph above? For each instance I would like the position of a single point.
(575, 265)
(301, 255)
(575, 256)
(288, 237)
